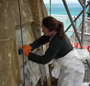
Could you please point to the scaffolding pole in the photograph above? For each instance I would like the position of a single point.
(81, 3)
(76, 18)
(49, 7)
(66, 7)
(83, 21)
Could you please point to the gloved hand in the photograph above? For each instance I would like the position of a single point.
(26, 49)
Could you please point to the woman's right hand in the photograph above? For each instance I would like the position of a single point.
(26, 49)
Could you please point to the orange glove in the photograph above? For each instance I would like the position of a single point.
(26, 49)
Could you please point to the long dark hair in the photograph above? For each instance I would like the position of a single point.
(53, 24)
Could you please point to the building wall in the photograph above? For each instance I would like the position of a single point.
(11, 63)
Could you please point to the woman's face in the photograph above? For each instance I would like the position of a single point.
(46, 31)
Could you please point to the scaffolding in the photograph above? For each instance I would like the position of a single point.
(84, 6)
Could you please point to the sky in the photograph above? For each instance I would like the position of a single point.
(60, 1)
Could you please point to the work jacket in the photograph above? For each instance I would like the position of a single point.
(57, 48)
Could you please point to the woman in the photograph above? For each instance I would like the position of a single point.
(60, 49)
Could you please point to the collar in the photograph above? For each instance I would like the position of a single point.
(52, 36)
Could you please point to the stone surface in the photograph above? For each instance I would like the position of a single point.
(9, 65)
(32, 13)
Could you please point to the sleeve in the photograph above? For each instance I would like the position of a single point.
(41, 41)
(50, 54)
